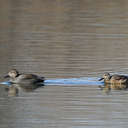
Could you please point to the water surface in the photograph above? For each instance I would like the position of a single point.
(71, 43)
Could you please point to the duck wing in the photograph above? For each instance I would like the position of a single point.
(31, 77)
(119, 77)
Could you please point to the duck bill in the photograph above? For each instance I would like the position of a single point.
(101, 79)
(7, 76)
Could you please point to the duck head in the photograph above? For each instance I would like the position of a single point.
(12, 74)
(106, 76)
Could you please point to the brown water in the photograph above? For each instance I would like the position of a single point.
(64, 39)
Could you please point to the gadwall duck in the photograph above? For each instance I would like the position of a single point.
(17, 78)
(114, 79)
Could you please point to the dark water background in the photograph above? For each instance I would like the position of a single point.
(64, 39)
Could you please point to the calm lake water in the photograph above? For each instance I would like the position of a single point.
(65, 41)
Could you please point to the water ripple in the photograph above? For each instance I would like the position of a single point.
(69, 81)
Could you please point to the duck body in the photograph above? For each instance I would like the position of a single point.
(17, 78)
(118, 79)
(115, 81)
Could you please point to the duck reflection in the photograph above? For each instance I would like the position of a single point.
(14, 89)
(107, 87)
